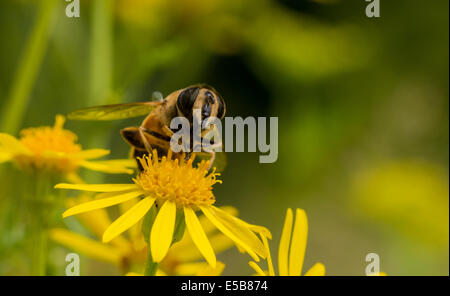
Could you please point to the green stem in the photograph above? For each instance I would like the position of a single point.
(101, 52)
(39, 250)
(150, 266)
(42, 205)
(100, 69)
(28, 68)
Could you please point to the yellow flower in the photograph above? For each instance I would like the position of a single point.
(172, 186)
(55, 149)
(128, 252)
(291, 250)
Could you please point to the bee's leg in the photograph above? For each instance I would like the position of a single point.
(211, 160)
(212, 152)
(167, 131)
(144, 140)
(187, 155)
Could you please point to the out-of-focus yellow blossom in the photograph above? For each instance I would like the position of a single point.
(173, 185)
(409, 197)
(128, 251)
(291, 250)
(55, 149)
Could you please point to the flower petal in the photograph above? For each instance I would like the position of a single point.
(186, 251)
(283, 249)
(317, 270)
(131, 217)
(199, 237)
(240, 235)
(12, 146)
(269, 257)
(256, 268)
(101, 203)
(298, 243)
(98, 187)
(90, 153)
(199, 269)
(86, 246)
(4, 157)
(208, 227)
(210, 271)
(105, 167)
(162, 231)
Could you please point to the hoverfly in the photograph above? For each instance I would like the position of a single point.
(155, 132)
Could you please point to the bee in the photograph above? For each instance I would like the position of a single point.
(155, 131)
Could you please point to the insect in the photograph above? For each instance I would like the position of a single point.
(155, 132)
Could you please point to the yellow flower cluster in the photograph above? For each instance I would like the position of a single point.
(54, 149)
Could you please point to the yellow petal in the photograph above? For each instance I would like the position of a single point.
(243, 230)
(135, 232)
(185, 250)
(11, 146)
(208, 227)
(131, 217)
(90, 153)
(199, 269)
(4, 157)
(127, 163)
(317, 270)
(98, 187)
(256, 268)
(74, 178)
(207, 270)
(298, 243)
(131, 273)
(105, 167)
(162, 231)
(97, 222)
(263, 231)
(269, 257)
(190, 268)
(283, 249)
(199, 237)
(255, 228)
(239, 235)
(101, 203)
(86, 246)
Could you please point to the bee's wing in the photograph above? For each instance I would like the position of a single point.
(113, 112)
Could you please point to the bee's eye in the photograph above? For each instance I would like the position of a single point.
(210, 98)
(186, 100)
(206, 110)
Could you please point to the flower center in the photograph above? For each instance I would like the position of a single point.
(177, 180)
(47, 138)
(45, 143)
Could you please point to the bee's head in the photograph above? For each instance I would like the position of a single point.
(202, 97)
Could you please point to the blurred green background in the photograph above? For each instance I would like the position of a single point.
(362, 106)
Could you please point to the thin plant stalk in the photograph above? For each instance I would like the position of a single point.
(26, 73)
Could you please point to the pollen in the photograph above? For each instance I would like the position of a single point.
(46, 142)
(177, 180)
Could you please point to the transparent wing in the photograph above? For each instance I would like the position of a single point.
(114, 112)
